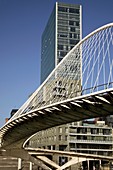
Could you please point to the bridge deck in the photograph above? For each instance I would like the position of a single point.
(97, 104)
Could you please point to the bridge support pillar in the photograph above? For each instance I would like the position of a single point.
(19, 163)
(30, 166)
(88, 164)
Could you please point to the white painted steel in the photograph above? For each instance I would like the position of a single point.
(95, 52)
(66, 83)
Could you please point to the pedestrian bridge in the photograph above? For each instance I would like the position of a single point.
(80, 87)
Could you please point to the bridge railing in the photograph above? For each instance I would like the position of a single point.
(87, 68)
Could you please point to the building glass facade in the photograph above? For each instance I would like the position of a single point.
(48, 47)
(61, 34)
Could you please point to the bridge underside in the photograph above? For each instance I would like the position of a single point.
(98, 104)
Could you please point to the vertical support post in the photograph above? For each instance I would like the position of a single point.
(30, 166)
(88, 164)
(51, 147)
(93, 165)
(110, 165)
(100, 163)
(19, 163)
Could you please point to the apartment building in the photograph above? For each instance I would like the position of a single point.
(89, 136)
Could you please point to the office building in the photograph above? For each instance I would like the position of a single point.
(62, 32)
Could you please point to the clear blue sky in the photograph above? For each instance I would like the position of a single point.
(21, 25)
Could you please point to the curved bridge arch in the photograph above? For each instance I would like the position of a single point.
(80, 87)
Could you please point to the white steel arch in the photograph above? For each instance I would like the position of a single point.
(87, 68)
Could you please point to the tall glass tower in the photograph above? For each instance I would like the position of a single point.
(62, 32)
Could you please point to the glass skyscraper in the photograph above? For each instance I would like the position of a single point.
(62, 32)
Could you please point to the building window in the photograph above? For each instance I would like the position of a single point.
(77, 23)
(73, 42)
(53, 147)
(66, 129)
(60, 47)
(93, 131)
(60, 129)
(65, 47)
(62, 9)
(66, 137)
(72, 145)
(73, 29)
(60, 137)
(54, 138)
(59, 83)
(71, 22)
(73, 10)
